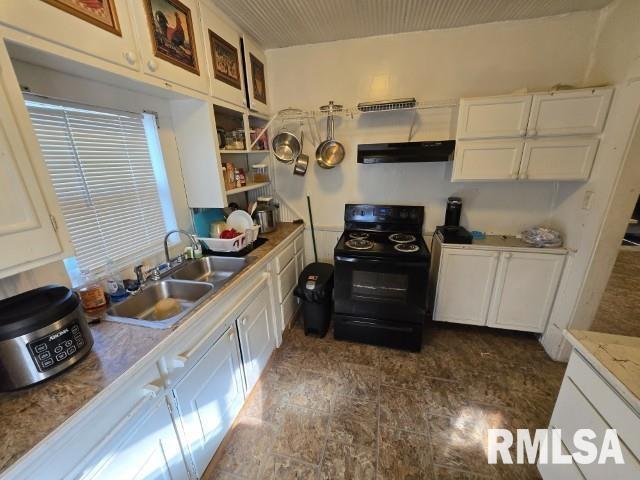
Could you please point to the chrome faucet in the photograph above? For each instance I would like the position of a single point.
(192, 239)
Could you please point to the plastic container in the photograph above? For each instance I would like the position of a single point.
(260, 173)
(315, 289)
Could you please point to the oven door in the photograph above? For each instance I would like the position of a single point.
(379, 288)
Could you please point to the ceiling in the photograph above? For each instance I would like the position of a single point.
(283, 23)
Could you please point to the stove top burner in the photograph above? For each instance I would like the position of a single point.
(359, 244)
(402, 238)
(359, 235)
(406, 247)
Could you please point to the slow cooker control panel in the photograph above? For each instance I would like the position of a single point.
(55, 348)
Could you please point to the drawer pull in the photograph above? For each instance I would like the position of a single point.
(152, 389)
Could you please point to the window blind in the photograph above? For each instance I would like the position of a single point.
(103, 176)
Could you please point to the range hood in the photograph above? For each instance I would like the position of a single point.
(438, 151)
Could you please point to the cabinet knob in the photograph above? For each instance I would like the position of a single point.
(524, 176)
(152, 65)
(523, 132)
(514, 175)
(244, 321)
(130, 57)
(532, 133)
(507, 255)
(231, 335)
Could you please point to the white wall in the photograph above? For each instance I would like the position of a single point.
(55, 84)
(430, 66)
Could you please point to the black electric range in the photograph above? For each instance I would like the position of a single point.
(381, 275)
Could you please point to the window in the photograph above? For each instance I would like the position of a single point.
(108, 174)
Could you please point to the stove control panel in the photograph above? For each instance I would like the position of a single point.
(364, 213)
(55, 348)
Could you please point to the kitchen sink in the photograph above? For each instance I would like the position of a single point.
(139, 309)
(212, 270)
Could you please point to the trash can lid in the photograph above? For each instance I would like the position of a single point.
(316, 282)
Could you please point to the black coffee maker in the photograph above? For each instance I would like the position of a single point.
(451, 231)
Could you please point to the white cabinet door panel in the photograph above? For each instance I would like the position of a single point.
(464, 287)
(228, 83)
(255, 64)
(487, 160)
(257, 340)
(286, 280)
(46, 21)
(569, 112)
(562, 158)
(524, 290)
(209, 397)
(493, 117)
(288, 308)
(149, 451)
(26, 230)
(156, 65)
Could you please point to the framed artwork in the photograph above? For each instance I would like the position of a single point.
(257, 79)
(172, 33)
(102, 13)
(226, 63)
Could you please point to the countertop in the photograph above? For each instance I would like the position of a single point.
(507, 242)
(27, 416)
(615, 357)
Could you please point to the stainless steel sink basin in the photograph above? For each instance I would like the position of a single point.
(213, 270)
(140, 309)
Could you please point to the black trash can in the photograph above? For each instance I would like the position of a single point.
(315, 288)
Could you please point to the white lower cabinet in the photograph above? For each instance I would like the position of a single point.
(465, 283)
(500, 289)
(524, 290)
(209, 397)
(257, 342)
(149, 448)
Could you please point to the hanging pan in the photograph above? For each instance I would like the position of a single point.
(330, 152)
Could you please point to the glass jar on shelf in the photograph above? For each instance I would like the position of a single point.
(260, 173)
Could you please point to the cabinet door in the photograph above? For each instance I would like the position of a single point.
(569, 112)
(561, 158)
(256, 337)
(497, 160)
(465, 283)
(150, 450)
(255, 64)
(209, 397)
(184, 64)
(99, 32)
(525, 289)
(493, 117)
(226, 77)
(26, 230)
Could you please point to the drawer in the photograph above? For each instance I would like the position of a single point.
(288, 308)
(286, 280)
(574, 412)
(285, 257)
(606, 401)
(299, 243)
(567, 471)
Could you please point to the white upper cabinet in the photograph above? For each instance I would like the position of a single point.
(465, 283)
(524, 291)
(487, 160)
(493, 117)
(223, 53)
(569, 112)
(569, 158)
(172, 43)
(105, 33)
(27, 231)
(255, 64)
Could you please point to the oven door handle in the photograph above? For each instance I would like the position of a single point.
(340, 258)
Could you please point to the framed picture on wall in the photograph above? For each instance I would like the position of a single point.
(226, 63)
(257, 79)
(172, 34)
(102, 13)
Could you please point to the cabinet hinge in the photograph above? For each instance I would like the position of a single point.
(54, 223)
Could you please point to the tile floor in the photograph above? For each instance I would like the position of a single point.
(326, 409)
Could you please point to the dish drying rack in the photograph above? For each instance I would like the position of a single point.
(311, 117)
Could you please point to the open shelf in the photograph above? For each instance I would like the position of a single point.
(223, 151)
(248, 187)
